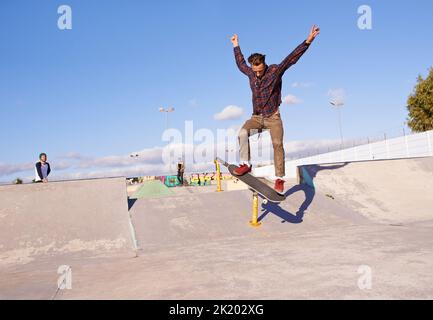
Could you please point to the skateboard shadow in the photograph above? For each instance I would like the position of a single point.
(285, 215)
(307, 175)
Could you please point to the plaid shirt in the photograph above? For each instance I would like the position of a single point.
(267, 89)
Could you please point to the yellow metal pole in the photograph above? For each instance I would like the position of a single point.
(254, 222)
(218, 174)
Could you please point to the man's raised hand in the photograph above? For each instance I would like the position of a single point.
(315, 30)
(234, 40)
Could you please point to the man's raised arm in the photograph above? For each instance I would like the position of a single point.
(296, 54)
(240, 60)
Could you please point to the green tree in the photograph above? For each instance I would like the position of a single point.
(420, 105)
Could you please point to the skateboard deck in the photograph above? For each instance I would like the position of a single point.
(256, 184)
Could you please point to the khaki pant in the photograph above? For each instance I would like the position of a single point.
(256, 124)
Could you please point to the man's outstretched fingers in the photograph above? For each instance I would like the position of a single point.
(234, 40)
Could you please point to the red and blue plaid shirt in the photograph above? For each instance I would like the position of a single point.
(267, 88)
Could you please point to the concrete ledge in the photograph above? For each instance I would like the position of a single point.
(39, 220)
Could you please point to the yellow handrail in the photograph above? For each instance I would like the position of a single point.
(218, 176)
(254, 221)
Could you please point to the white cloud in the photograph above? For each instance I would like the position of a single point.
(137, 170)
(150, 156)
(151, 162)
(229, 113)
(71, 156)
(299, 149)
(291, 99)
(337, 96)
(302, 84)
(63, 165)
(9, 169)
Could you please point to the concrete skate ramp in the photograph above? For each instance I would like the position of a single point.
(391, 191)
(152, 189)
(80, 217)
(190, 217)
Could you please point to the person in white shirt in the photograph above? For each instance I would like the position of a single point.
(42, 169)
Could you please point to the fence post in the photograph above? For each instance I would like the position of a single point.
(430, 149)
(407, 146)
(369, 148)
(386, 146)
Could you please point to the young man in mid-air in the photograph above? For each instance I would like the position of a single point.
(266, 84)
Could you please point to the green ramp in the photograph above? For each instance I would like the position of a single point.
(152, 189)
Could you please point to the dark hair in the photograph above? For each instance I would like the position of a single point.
(42, 154)
(256, 59)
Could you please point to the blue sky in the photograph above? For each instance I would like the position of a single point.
(94, 91)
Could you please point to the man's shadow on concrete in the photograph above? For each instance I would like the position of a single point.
(307, 174)
(285, 215)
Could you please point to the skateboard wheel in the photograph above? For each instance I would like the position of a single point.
(265, 201)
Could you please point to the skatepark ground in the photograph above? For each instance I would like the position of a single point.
(196, 243)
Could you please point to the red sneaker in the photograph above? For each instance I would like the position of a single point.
(242, 169)
(279, 186)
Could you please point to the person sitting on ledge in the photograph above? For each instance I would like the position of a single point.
(42, 169)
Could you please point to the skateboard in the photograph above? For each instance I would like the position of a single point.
(255, 185)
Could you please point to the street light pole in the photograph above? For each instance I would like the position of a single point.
(338, 105)
(166, 111)
(135, 156)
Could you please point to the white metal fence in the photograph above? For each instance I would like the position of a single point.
(407, 146)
